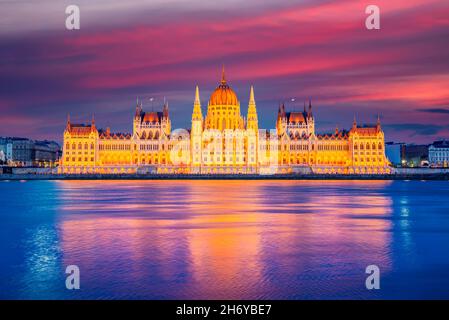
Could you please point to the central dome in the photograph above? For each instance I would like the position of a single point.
(223, 111)
(223, 94)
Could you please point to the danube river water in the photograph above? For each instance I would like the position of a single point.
(224, 239)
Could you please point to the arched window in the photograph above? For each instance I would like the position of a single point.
(74, 146)
(80, 146)
(67, 146)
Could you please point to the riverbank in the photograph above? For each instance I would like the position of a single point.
(394, 176)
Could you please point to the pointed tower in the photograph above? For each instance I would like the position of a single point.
(165, 120)
(252, 129)
(354, 123)
(138, 109)
(378, 126)
(137, 121)
(165, 110)
(281, 123)
(93, 128)
(196, 131)
(223, 77)
(252, 120)
(309, 113)
(68, 126)
(197, 114)
(310, 120)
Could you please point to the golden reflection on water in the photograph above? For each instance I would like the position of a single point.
(227, 239)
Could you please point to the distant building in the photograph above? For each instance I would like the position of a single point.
(5, 149)
(45, 152)
(393, 151)
(26, 152)
(22, 152)
(415, 155)
(439, 154)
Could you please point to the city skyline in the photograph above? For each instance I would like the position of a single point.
(294, 50)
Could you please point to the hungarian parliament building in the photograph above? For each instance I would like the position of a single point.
(223, 142)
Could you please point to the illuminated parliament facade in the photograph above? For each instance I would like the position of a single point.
(223, 142)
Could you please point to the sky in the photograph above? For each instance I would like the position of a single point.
(300, 50)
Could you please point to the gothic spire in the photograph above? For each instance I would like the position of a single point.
(252, 120)
(138, 108)
(378, 123)
(223, 77)
(165, 109)
(197, 114)
(93, 123)
(197, 95)
(251, 96)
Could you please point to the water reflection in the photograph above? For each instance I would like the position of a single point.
(225, 239)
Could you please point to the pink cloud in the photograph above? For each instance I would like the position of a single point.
(318, 49)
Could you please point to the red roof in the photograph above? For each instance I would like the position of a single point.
(80, 129)
(296, 117)
(152, 117)
(365, 131)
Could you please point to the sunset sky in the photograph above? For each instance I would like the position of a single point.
(314, 49)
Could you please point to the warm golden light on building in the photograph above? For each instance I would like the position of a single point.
(224, 142)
